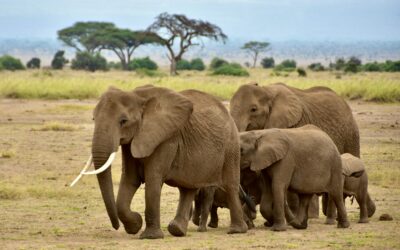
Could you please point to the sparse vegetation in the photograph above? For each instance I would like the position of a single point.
(10, 63)
(316, 67)
(56, 126)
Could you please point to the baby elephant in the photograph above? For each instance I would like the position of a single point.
(357, 186)
(304, 160)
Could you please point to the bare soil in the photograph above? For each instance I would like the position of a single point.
(40, 211)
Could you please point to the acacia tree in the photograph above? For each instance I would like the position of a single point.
(254, 48)
(178, 31)
(79, 35)
(122, 42)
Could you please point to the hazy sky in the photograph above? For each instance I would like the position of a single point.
(247, 19)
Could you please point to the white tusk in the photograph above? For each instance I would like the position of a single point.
(88, 163)
(104, 167)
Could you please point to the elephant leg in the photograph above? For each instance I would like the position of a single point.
(178, 226)
(127, 188)
(337, 196)
(362, 202)
(214, 217)
(206, 205)
(266, 201)
(152, 210)
(370, 205)
(278, 192)
(324, 203)
(313, 208)
(293, 201)
(238, 225)
(196, 210)
(330, 211)
(303, 212)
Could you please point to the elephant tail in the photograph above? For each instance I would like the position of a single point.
(248, 200)
(291, 219)
(370, 205)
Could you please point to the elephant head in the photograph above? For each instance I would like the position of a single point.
(261, 149)
(143, 118)
(352, 166)
(276, 106)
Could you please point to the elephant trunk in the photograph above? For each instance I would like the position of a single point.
(101, 153)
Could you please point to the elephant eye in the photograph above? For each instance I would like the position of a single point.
(123, 121)
(253, 109)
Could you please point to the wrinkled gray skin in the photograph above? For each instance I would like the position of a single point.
(186, 140)
(357, 187)
(256, 107)
(303, 160)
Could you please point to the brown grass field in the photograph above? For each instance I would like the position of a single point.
(44, 144)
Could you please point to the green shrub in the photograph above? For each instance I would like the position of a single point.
(59, 60)
(233, 69)
(316, 67)
(352, 65)
(11, 63)
(114, 65)
(268, 62)
(197, 64)
(339, 64)
(142, 63)
(391, 66)
(149, 72)
(372, 67)
(217, 62)
(286, 65)
(183, 65)
(34, 63)
(88, 61)
(302, 72)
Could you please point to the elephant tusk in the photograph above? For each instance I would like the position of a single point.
(88, 163)
(104, 167)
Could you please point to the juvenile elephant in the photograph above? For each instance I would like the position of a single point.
(303, 160)
(256, 107)
(356, 186)
(184, 139)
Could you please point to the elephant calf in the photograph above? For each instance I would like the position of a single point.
(356, 186)
(304, 160)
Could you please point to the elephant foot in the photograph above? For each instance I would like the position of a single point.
(343, 224)
(134, 226)
(250, 224)
(238, 229)
(176, 229)
(196, 220)
(330, 221)
(213, 224)
(154, 233)
(202, 229)
(267, 224)
(279, 227)
(363, 220)
(298, 225)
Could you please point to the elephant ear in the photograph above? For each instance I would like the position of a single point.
(287, 109)
(164, 113)
(270, 148)
(352, 166)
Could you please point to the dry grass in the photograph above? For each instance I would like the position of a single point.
(56, 126)
(68, 84)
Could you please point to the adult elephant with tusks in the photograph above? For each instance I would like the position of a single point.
(184, 139)
(256, 107)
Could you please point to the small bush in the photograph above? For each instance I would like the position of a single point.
(302, 72)
(316, 67)
(286, 65)
(183, 65)
(197, 64)
(391, 66)
(59, 60)
(88, 61)
(352, 65)
(11, 63)
(217, 62)
(339, 64)
(34, 63)
(268, 62)
(142, 63)
(233, 69)
(114, 65)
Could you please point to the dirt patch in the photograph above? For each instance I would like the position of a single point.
(39, 210)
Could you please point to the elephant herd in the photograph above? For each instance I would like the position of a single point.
(278, 147)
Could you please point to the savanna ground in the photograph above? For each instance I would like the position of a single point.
(45, 143)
